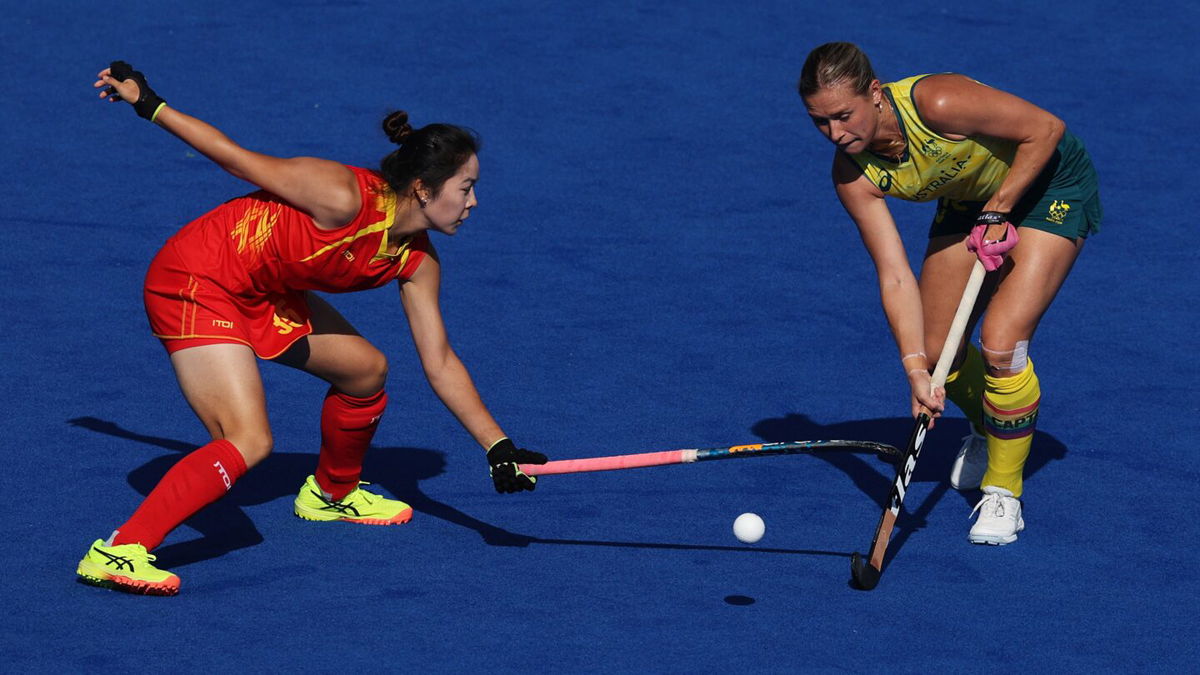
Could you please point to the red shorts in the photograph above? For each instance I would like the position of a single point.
(189, 310)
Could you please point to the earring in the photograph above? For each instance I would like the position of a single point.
(424, 202)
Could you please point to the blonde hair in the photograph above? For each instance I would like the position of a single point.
(835, 63)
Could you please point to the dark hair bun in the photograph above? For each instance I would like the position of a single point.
(396, 127)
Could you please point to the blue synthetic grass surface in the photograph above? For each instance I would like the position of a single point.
(657, 261)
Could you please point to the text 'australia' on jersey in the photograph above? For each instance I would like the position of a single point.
(934, 166)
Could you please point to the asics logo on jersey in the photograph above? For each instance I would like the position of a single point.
(348, 255)
(885, 181)
(1058, 211)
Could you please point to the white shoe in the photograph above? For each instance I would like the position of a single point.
(999, 518)
(971, 462)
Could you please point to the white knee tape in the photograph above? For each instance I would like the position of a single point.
(1014, 360)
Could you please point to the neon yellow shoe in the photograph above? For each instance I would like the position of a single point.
(359, 506)
(125, 568)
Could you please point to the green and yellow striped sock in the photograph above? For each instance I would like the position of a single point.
(1010, 412)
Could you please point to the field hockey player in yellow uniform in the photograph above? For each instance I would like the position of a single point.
(1014, 189)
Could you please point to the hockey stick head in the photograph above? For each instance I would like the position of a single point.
(864, 576)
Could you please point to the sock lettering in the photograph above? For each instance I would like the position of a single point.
(224, 475)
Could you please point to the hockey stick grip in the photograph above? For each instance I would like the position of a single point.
(686, 456)
(635, 461)
(959, 325)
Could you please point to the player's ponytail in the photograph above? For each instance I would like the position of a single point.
(396, 127)
(433, 153)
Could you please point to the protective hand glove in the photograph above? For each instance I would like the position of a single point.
(148, 102)
(503, 458)
(991, 253)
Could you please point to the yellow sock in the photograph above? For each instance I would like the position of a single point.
(1010, 412)
(964, 388)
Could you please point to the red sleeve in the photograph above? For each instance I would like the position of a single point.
(419, 248)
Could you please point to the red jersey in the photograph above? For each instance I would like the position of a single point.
(239, 272)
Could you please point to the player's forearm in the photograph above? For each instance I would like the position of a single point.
(1031, 157)
(902, 307)
(452, 383)
(205, 138)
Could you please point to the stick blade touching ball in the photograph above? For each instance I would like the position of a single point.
(862, 573)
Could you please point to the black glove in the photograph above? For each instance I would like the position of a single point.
(148, 102)
(503, 458)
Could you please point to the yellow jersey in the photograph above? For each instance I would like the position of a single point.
(934, 166)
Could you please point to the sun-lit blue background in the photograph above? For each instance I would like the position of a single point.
(657, 261)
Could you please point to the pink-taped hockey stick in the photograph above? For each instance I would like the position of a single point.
(687, 456)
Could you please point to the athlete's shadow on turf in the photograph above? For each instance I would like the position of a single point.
(225, 527)
(874, 478)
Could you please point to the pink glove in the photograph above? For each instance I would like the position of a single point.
(991, 253)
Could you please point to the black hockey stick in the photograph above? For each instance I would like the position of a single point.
(865, 571)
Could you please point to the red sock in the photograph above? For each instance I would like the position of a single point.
(347, 427)
(202, 477)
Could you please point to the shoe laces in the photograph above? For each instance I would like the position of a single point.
(995, 506)
(359, 493)
(992, 506)
(348, 503)
(134, 553)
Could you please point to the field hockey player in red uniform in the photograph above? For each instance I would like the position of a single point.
(237, 284)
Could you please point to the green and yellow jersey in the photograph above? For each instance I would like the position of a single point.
(934, 166)
(962, 175)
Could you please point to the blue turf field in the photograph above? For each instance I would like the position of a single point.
(658, 260)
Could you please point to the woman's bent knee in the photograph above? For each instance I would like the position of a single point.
(1006, 359)
(254, 447)
(368, 379)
